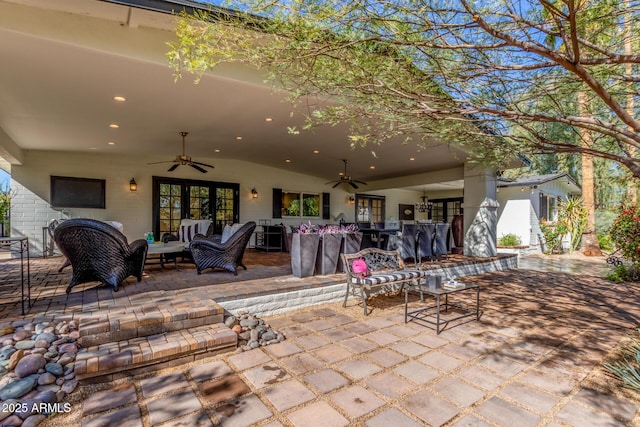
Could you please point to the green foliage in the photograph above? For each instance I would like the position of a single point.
(605, 242)
(5, 203)
(627, 365)
(572, 219)
(625, 233)
(624, 273)
(440, 70)
(509, 239)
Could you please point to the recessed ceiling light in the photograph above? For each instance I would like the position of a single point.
(268, 119)
(372, 167)
(111, 143)
(114, 126)
(412, 158)
(340, 173)
(119, 98)
(287, 161)
(316, 151)
(238, 138)
(217, 150)
(92, 148)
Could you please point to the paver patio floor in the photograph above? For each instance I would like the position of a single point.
(534, 358)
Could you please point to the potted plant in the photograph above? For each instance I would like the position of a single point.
(329, 249)
(305, 241)
(351, 242)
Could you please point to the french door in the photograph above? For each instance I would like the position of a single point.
(175, 199)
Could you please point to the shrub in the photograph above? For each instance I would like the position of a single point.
(625, 233)
(509, 239)
(605, 241)
(627, 367)
(624, 273)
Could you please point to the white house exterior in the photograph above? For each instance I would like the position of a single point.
(525, 201)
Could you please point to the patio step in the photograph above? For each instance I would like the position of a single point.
(119, 359)
(148, 318)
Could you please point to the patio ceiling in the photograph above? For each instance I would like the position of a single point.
(65, 60)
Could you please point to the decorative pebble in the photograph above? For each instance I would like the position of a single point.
(30, 364)
(18, 388)
(25, 344)
(252, 332)
(54, 368)
(46, 378)
(36, 365)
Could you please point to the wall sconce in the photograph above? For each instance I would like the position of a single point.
(351, 200)
(132, 185)
(254, 193)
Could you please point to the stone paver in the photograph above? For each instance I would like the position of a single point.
(430, 408)
(266, 375)
(504, 413)
(244, 412)
(288, 394)
(172, 406)
(109, 399)
(209, 371)
(356, 401)
(391, 417)
(129, 416)
(326, 380)
(310, 416)
(162, 384)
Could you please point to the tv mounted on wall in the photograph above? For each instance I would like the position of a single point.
(69, 192)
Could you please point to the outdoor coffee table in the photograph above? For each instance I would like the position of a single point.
(426, 314)
(162, 249)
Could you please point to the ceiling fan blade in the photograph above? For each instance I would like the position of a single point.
(359, 182)
(172, 168)
(166, 161)
(352, 184)
(197, 167)
(336, 184)
(202, 164)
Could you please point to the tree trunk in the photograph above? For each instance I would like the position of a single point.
(590, 244)
(632, 189)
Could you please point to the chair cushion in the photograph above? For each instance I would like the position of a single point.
(191, 227)
(388, 277)
(229, 230)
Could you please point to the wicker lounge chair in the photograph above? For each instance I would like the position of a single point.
(50, 228)
(208, 253)
(99, 252)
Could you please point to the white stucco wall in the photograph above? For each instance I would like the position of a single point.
(514, 214)
(30, 209)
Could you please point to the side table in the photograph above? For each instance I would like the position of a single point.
(21, 246)
(426, 314)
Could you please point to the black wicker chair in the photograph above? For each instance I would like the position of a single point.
(208, 253)
(50, 229)
(99, 252)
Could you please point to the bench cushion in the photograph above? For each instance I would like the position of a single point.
(388, 277)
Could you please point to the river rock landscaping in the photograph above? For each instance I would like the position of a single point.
(36, 370)
(252, 331)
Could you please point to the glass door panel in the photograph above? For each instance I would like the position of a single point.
(170, 208)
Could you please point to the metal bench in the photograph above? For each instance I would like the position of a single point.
(386, 269)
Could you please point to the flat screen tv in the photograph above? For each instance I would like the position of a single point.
(69, 192)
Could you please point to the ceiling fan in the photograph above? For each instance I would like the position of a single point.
(184, 159)
(346, 179)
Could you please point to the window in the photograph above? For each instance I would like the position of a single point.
(370, 208)
(175, 199)
(300, 204)
(444, 210)
(549, 207)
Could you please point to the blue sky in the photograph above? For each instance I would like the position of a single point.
(4, 179)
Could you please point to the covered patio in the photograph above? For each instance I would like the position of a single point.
(534, 358)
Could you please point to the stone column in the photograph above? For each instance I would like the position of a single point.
(480, 211)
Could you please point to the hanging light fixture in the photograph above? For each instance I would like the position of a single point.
(425, 205)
